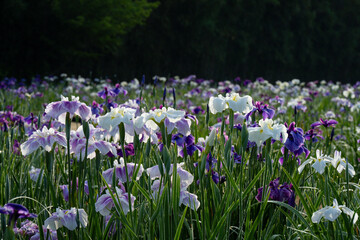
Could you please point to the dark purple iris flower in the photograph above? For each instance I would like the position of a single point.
(16, 147)
(180, 139)
(198, 110)
(129, 150)
(96, 109)
(210, 168)
(313, 135)
(116, 90)
(104, 93)
(210, 162)
(246, 82)
(237, 157)
(16, 211)
(187, 142)
(30, 119)
(110, 104)
(263, 109)
(295, 141)
(324, 122)
(283, 193)
(216, 178)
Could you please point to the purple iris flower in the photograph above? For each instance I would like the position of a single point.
(31, 119)
(104, 93)
(16, 148)
(187, 143)
(44, 138)
(129, 150)
(16, 211)
(65, 189)
(237, 157)
(295, 141)
(96, 109)
(28, 228)
(324, 122)
(198, 110)
(313, 135)
(78, 143)
(210, 162)
(74, 107)
(67, 218)
(105, 203)
(283, 193)
(263, 109)
(216, 178)
(120, 171)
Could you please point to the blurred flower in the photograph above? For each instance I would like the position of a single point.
(34, 173)
(16, 211)
(263, 110)
(324, 122)
(313, 135)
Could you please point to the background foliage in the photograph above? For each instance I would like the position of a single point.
(276, 39)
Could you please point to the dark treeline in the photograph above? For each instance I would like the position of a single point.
(276, 39)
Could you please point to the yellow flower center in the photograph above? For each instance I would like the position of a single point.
(121, 111)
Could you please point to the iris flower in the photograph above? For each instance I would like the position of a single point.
(267, 129)
(332, 213)
(105, 202)
(78, 143)
(324, 122)
(232, 101)
(186, 198)
(340, 164)
(116, 116)
(120, 171)
(16, 211)
(58, 110)
(319, 163)
(43, 138)
(66, 218)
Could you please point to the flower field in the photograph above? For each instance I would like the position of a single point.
(179, 158)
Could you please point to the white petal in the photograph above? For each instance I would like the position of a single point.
(316, 217)
(302, 166)
(350, 213)
(217, 104)
(332, 213)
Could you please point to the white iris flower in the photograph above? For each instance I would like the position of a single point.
(332, 213)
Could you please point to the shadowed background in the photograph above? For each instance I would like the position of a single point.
(123, 39)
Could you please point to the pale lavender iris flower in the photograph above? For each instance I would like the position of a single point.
(66, 218)
(58, 110)
(43, 138)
